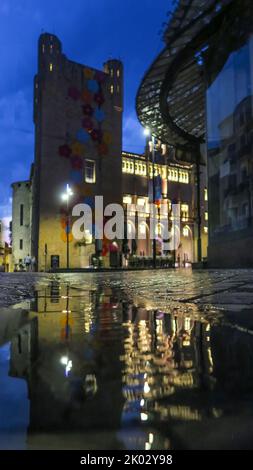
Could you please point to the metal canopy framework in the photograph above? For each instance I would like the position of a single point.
(171, 97)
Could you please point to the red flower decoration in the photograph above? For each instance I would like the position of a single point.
(87, 97)
(65, 151)
(88, 110)
(74, 93)
(76, 162)
(97, 135)
(102, 149)
(99, 98)
(63, 210)
(87, 123)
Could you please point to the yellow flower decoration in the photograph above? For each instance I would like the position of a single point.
(64, 237)
(88, 73)
(107, 138)
(78, 149)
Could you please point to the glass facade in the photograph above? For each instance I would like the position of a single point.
(230, 156)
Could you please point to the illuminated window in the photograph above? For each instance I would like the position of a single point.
(43, 48)
(118, 89)
(112, 89)
(206, 229)
(127, 200)
(205, 194)
(141, 201)
(185, 232)
(124, 166)
(90, 171)
(173, 175)
(183, 177)
(118, 73)
(184, 212)
(111, 72)
(206, 215)
(51, 49)
(51, 67)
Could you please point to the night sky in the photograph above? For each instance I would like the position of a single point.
(91, 31)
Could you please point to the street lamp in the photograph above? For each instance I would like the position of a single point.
(147, 133)
(65, 197)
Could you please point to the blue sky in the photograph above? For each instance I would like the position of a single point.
(91, 31)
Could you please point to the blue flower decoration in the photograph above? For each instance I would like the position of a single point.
(68, 229)
(90, 201)
(93, 86)
(76, 176)
(83, 136)
(99, 115)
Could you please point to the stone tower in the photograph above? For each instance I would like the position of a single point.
(78, 141)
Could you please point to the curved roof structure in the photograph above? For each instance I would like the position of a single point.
(171, 97)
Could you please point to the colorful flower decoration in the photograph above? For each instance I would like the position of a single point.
(76, 176)
(64, 237)
(87, 123)
(76, 162)
(100, 76)
(63, 222)
(83, 136)
(63, 210)
(88, 73)
(87, 110)
(96, 135)
(87, 97)
(90, 201)
(93, 86)
(102, 149)
(107, 138)
(99, 98)
(64, 151)
(99, 115)
(78, 149)
(80, 190)
(74, 93)
(68, 229)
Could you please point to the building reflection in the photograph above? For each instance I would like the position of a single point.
(97, 362)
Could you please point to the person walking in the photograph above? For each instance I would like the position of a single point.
(28, 262)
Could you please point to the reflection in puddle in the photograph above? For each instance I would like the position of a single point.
(103, 371)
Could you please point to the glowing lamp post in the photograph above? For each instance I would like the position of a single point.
(147, 133)
(65, 197)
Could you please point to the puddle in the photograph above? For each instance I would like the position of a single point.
(102, 368)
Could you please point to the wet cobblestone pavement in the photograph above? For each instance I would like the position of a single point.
(138, 360)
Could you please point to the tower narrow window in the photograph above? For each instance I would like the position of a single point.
(51, 67)
(21, 214)
(112, 89)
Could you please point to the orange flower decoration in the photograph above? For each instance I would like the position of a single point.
(64, 237)
(88, 73)
(87, 97)
(107, 138)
